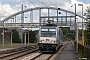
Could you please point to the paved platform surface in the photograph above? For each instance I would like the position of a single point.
(68, 53)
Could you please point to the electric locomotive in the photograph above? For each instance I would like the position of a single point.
(50, 38)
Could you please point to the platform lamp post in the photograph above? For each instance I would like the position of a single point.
(75, 20)
(77, 35)
(76, 30)
(82, 25)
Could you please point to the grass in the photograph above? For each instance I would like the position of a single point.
(13, 45)
(81, 55)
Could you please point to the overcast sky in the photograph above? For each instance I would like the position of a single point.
(8, 7)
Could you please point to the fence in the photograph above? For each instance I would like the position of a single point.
(85, 51)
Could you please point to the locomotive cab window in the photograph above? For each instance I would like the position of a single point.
(48, 32)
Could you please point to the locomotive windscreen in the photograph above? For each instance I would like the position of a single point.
(48, 32)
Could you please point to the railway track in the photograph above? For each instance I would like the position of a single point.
(47, 56)
(35, 56)
(29, 53)
(42, 57)
(19, 52)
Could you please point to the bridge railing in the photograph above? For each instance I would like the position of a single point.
(83, 51)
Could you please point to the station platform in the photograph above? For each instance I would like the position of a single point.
(68, 53)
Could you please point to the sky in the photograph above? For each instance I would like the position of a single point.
(9, 7)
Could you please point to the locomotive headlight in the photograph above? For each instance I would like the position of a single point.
(42, 41)
(53, 41)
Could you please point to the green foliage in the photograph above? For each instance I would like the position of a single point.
(68, 34)
(88, 14)
(87, 37)
(32, 36)
(15, 36)
(87, 32)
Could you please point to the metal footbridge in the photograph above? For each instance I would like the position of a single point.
(35, 17)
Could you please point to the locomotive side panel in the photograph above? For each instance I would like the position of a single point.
(61, 36)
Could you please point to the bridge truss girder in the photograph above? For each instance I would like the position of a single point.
(59, 20)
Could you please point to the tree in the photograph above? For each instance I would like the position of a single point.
(15, 36)
(32, 36)
(87, 31)
(68, 34)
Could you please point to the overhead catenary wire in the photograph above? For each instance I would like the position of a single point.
(43, 3)
(34, 5)
(52, 3)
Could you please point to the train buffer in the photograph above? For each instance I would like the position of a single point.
(68, 53)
